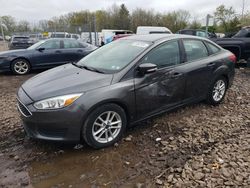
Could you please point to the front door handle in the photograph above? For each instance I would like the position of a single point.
(79, 51)
(175, 74)
(58, 51)
(210, 64)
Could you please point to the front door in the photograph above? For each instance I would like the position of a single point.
(164, 88)
(50, 56)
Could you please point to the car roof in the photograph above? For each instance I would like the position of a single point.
(159, 37)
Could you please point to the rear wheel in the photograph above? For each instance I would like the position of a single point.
(20, 66)
(217, 91)
(104, 126)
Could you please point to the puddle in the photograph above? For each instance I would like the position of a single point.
(89, 168)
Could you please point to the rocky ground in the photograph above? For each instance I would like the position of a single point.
(195, 146)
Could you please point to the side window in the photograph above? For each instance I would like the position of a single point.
(71, 44)
(52, 44)
(201, 34)
(195, 49)
(214, 49)
(187, 32)
(164, 55)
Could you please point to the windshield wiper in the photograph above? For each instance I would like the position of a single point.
(92, 69)
(87, 68)
(75, 64)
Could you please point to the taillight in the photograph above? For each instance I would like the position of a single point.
(233, 58)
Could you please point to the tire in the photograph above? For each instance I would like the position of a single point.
(217, 91)
(97, 131)
(20, 66)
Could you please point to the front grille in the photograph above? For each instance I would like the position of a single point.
(23, 109)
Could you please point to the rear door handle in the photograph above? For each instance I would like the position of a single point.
(80, 51)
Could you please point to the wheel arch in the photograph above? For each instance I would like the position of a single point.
(121, 104)
(221, 71)
(21, 57)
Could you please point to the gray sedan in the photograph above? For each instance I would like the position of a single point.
(122, 83)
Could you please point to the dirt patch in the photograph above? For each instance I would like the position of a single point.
(3, 46)
(195, 146)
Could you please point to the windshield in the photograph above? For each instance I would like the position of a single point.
(243, 33)
(36, 45)
(114, 56)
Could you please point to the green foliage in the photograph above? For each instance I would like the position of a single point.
(118, 17)
(227, 19)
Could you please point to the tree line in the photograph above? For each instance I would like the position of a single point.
(119, 17)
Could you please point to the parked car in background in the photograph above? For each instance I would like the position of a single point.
(108, 34)
(122, 83)
(58, 35)
(43, 55)
(20, 42)
(197, 32)
(239, 44)
(74, 36)
(143, 30)
(35, 37)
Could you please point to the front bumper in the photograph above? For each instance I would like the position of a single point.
(55, 125)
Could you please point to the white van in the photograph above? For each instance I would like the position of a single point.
(143, 30)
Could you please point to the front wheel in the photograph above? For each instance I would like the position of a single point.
(104, 126)
(20, 66)
(217, 92)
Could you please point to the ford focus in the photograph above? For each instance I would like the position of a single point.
(122, 83)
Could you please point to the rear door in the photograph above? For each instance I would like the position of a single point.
(199, 67)
(164, 88)
(72, 50)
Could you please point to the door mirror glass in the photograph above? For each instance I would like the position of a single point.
(146, 68)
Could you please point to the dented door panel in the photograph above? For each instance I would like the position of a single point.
(159, 90)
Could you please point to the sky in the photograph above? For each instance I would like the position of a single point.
(35, 10)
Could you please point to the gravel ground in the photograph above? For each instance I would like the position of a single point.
(194, 146)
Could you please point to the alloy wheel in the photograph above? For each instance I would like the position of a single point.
(106, 127)
(219, 90)
(21, 67)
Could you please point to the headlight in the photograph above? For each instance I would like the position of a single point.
(56, 102)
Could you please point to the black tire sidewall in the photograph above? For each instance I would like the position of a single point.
(17, 60)
(87, 127)
(210, 98)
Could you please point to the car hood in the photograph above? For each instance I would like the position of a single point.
(63, 80)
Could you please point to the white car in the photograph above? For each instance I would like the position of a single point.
(143, 30)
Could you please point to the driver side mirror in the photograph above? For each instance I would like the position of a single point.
(40, 49)
(146, 68)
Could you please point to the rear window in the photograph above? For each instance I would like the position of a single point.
(187, 32)
(21, 38)
(214, 49)
(195, 49)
